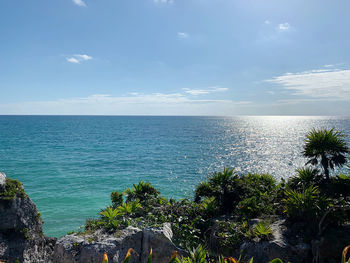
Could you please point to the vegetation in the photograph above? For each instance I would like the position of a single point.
(326, 147)
(13, 189)
(220, 217)
(201, 255)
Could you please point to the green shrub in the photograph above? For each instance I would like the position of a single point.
(306, 205)
(221, 186)
(129, 208)
(262, 230)
(109, 217)
(117, 199)
(338, 186)
(258, 193)
(13, 189)
(92, 225)
(230, 235)
(142, 191)
(209, 207)
(196, 255)
(306, 177)
(255, 206)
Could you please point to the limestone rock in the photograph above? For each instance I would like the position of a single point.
(21, 236)
(159, 239)
(2, 181)
(90, 248)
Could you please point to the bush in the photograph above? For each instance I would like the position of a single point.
(221, 186)
(306, 205)
(142, 191)
(252, 194)
(258, 193)
(13, 189)
(306, 177)
(117, 199)
(262, 230)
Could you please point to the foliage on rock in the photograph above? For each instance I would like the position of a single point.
(13, 189)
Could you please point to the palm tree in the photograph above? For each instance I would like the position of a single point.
(326, 147)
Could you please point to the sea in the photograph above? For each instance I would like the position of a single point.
(69, 165)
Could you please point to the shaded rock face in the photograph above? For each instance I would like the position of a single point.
(90, 248)
(277, 247)
(21, 236)
(329, 248)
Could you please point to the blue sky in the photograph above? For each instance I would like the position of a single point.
(175, 57)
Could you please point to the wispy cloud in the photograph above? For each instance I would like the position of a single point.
(164, 1)
(131, 104)
(182, 34)
(79, 3)
(77, 59)
(283, 27)
(329, 84)
(196, 92)
(267, 22)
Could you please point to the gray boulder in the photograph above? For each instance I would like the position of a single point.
(90, 248)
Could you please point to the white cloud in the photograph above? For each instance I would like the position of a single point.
(283, 27)
(182, 35)
(328, 84)
(267, 22)
(77, 59)
(196, 92)
(164, 1)
(79, 3)
(72, 60)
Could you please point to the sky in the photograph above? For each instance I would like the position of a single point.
(175, 57)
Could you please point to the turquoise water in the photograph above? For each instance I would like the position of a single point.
(70, 164)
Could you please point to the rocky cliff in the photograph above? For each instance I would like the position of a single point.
(22, 239)
(21, 236)
(89, 248)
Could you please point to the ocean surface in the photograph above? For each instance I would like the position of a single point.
(69, 165)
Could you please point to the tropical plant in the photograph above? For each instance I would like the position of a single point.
(128, 256)
(219, 186)
(209, 206)
(150, 255)
(109, 216)
(197, 255)
(117, 199)
(228, 234)
(142, 191)
(343, 258)
(306, 205)
(129, 208)
(306, 177)
(326, 147)
(262, 230)
(257, 193)
(105, 258)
